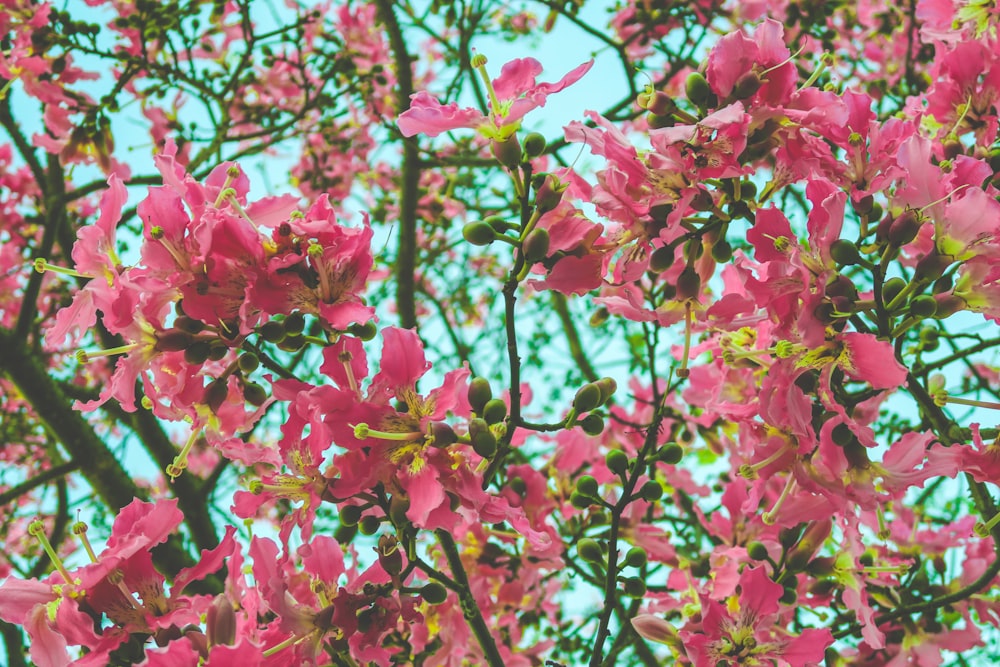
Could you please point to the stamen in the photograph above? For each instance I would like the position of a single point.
(479, 64)
(175, 469)
(984, 529)
(966, 401)
(291, 641)
(80, 530)
(345, 358)
(749, 471)
(362, 431)
(83, 356)
(41, 266)
(769, 517)
(37, 530)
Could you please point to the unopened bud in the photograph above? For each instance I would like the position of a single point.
(661, 259)
(507, 153)
(534, 145)
(587, 398)
(479, 233)
(747, 86)
(697, 89)
(221, 622)
(536, 246)
(495, 411)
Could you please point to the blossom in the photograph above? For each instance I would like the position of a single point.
(512, 95)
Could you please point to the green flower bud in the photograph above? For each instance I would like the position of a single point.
(579, 501)
(608, 387)
(272, 332)
(190, 325)
(651, 491)
(587, 486)
(592, 424)
(923, 306)
(254, 394)
(197, 353)
(587, 398)
(863, 205)
(757, 550)
(350, 515)
(697, 89)
(536, 246)
(534, 145)
(443, 434)
(364, 331)
(215, 395)
(671, 453)
(844, 252)
(636, 557)
(867, 559)
(789, 596)
(634, 587)
(483, 441)
(661, 259)
(295, 323)
(891, 289)
(292, 343)
(434, 593)
(479, 394)
(617, 461)
(517, 485)
(369, 524)
(479, 233)
(248, 362)
(494, 411)
(173, 340)
(590, 551)
(722, 252)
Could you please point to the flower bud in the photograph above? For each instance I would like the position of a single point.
(272, 331)
(608, 387)
(636, 557)
(671, 453)
(191, 325)
(702, 201)
(697, 89)
(494, 411)
(923, 306)
(592, 424)
(215, 395)
(479, 233)
(548, 196)
(173, 340)
(483, 441)
(634, 587)
(534, 145)
(948, 305)
(443, 434)
(197, 353)
(661, 259)
(617, 461)
(864, 205)
(579, 501)
(844, 252)
(350, 515)
(747, 86)
(479, 394)
(389, 555)
(932, 265)
(536, 246)
(891, 289)
(722, 251)
(434, 593)
(369, 524)
(248, 362)
(221, 622)
(905, 228)
(688, 284)
(295, 323)
(651, 491)
(587, 398)
(254, 394)
(507, 153)
(590, 551)
(587, 486)
(657, 103)
(757, 551)
(364, 331)
(813, 538)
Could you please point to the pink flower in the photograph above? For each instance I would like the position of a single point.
(514, 93)
(753, 631)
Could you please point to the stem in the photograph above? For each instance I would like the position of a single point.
(406, 263)
(470, 607)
